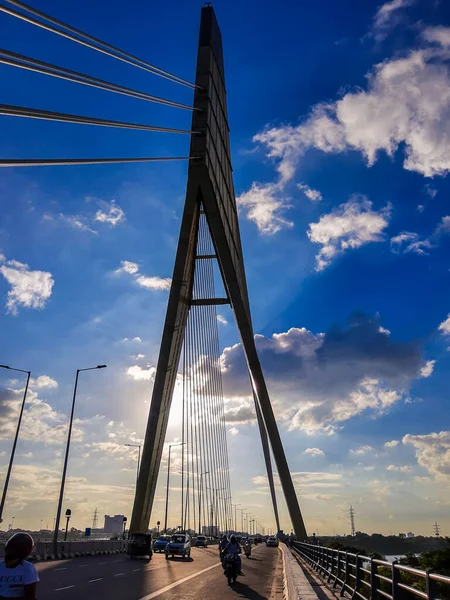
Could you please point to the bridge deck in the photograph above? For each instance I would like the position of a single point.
(117, 577)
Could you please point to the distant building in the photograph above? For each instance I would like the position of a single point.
(402, 535)
(410, 534)
(113, 524)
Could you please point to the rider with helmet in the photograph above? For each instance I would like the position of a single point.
(233, 547)
(18, 577)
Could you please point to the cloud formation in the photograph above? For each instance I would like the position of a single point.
(264, 205)
(387, 17)
(432, 451)
(318, 382)
(406, 104)
(150, 283)
(30, 289)
(112, 214)
(349, 226)
(313, 195)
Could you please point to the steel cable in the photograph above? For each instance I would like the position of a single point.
(52, 162)
(119, 54)
(38, 66)
(47, 115)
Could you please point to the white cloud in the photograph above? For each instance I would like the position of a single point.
(137, 340)
(349, 226)
(430, 190)
(75, 221)
(382, 329)
(127, 266)
(362, 450)
(313, 195)
(406, 103)
(41, 422)
(264, 206)
(318, 382)
(222, 320)
(43, 381)
(427, 369)
(443, 227)
(138, 356)
(391, 444)
(154, 283)
(386, 17)
(401, 469)
(112, 214)
(314, 452)
(432, 451)
(304, 479)
(439, 35)
(151, 283)
(233, 431)
(140, 374)
(408, 241)
(444, 327)
(420, 208)
(31, 289)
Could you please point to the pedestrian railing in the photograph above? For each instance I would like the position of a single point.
(365, 578)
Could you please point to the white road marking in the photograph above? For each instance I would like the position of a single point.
(179, 582)
(82, 566)
(92, 580)
(61, 569)
(103, 563)
(64, 588)
(134, 570)
(118, 574)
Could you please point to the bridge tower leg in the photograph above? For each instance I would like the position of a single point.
(209, 188)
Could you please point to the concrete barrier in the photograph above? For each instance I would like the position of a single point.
(73, 549)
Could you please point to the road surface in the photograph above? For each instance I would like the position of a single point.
(117, 577)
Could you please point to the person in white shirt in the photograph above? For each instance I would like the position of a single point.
(18, 577)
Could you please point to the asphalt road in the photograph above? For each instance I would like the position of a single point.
(117, 577)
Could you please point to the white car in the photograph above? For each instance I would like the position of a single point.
(272, 541)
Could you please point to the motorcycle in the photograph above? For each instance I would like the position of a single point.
(231, 568)
(247, 550)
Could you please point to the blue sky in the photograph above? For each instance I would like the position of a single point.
(339, 116)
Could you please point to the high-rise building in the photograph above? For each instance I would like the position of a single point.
(113, 524)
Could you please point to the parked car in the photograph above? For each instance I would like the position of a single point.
(159, 545)
(201, 541)
(272, 541)
(179, 545)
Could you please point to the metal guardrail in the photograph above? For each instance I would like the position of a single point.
(366, 578)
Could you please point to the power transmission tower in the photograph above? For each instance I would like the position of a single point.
(95, 519)
(210, 192)
(351, 513)
(437, 531)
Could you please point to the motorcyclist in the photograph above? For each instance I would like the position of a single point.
(223, 546)
(247, 546)
(233, 547)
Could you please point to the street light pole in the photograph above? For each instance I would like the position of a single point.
(235, 516)
(66, 458)
(241, 510)
(200, 502)
(16, 436)
(139, 458)
(167, 486)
